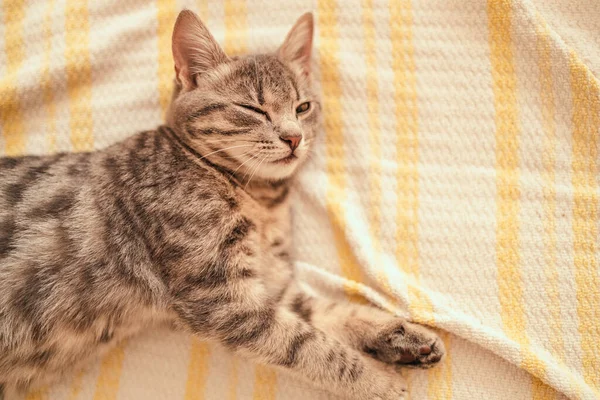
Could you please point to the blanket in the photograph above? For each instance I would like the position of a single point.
(456, 181)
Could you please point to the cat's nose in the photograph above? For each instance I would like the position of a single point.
(293, 140)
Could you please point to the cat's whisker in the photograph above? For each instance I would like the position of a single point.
(223, 140)
(253, 167)
(249, 159)
(250, 168)
(230, 156)
(227, 148)
(236, 158)
(255, 170)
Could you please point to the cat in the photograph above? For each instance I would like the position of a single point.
(189, 225)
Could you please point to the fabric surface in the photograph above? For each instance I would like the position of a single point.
(457, 175)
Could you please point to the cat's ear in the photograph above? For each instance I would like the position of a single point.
(296, 49)
(195, 50)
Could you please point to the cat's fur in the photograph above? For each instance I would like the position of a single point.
(188, 224)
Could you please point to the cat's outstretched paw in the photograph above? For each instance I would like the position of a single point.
(406, 345)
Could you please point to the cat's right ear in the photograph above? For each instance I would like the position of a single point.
(195, 50)
(297, 47)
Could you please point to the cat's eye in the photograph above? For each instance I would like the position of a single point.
(254, 109)
(302, 108)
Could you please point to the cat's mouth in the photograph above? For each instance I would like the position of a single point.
(286, 160)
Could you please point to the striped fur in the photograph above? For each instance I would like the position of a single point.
(188, 224)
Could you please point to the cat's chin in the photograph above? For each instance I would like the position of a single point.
(280, 169)
(286, 160)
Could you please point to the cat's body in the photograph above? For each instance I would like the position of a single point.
(176, 226)
(96, 246)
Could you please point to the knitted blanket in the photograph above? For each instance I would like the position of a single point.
(456, 182)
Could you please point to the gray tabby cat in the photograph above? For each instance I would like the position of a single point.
(188, 224)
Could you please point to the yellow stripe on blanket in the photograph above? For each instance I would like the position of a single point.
(407, 145)
(107, 385)
(374, 128)
(541, 391)
(334, 143)
(79, 75)
(508, 257)
(39, 394)
(166, 15)
(46, 79)
(407, 173)
(236, 29)
(510, 283)
(549, 191)
(265, 385)
(197, 370)
(11, 118)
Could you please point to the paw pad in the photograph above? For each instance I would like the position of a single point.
(406, 345)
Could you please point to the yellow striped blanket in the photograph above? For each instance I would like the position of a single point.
(457, 180)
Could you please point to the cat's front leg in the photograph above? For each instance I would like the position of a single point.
(373, 331)
(273, 333)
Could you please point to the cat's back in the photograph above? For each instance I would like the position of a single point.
(25, 178)
(37, 197)
(33, 191)
(77, 229)
(77, 241)
(128, 204)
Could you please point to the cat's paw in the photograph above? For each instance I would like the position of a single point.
(406, 345)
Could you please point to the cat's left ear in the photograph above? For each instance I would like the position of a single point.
(296, 49)
(195, 50)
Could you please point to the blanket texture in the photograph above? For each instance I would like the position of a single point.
(456, 182)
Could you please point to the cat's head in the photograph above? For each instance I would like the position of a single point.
(254, 115)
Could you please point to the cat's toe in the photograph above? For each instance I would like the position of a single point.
(426, 356)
